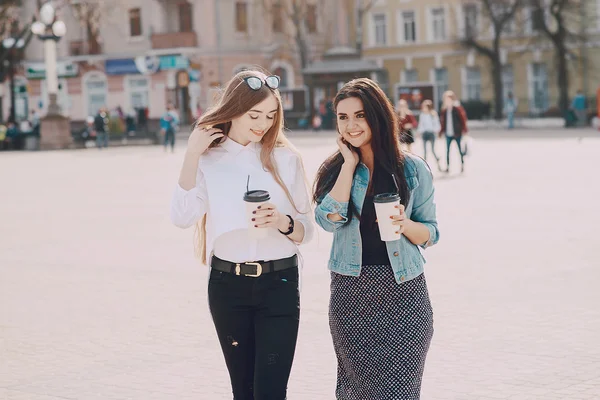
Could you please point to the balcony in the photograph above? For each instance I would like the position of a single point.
(174, 39)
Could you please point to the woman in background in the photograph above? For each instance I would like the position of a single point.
(429, 125)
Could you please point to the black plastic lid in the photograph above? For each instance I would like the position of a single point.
(257, 196)
(386, 198)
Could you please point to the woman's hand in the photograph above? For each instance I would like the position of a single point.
(400, 220)
(201, 138)
(349, 154)
(408, 126)
(267, 216)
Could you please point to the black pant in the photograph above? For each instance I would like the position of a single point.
(429, 137)
(257, 325)
(449, 140)
(170, 138)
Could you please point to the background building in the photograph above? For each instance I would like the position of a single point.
(142, 54)
(423, 41)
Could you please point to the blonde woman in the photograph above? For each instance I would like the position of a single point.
(253, 285)
(429, 125)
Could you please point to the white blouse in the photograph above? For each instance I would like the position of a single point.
(429, 123)
(220, 186)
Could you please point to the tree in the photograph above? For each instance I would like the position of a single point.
(297, 15)
(89, 15)
(10, 27)
(560, 21)
(9, 22)
(500, 14)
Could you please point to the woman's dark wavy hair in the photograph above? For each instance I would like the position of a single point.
(389, 159)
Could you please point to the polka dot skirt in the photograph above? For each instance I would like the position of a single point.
(381, 334)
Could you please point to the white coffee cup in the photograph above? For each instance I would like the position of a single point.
(253, 200)
(385, 207)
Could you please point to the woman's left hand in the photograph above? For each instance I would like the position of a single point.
(267, 216)
(400, 220)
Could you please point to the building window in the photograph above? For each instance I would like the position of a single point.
(534, 19)
(97, 93)
(135, 22)
(139, 89)
(508, 80)
(438, 24)
(241, 16)
(379, 30)
(283, 76)
(185, 17)
(472, 84)
(21, 99)
(277, 14)
(471, 20)
(311, 18)
(440, 82)
(411, 76)
(410, 26)
(538, 87)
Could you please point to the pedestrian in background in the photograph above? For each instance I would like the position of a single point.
(429, 125)
(407, 123)
(453, 122)
(510, 108)
(316, 121)
(380, 315)
(580, 108)
(35, 123)
(254, 279)
(170, 124)
(101, 127)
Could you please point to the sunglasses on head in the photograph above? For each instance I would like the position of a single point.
(256, 83)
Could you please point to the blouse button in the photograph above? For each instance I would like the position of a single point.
(402, 279)
(395, 254)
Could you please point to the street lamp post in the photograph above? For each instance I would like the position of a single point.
(55, 128)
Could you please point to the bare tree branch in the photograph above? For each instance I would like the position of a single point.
(499, 16)
(296, 12)
(560, 35)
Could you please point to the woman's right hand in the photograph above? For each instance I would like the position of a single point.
(202, 137)
(350, 155)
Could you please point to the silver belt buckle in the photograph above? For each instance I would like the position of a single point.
(258, 269)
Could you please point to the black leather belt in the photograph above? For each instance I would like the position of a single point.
(253, 269)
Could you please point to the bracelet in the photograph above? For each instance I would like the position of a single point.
(290, 227)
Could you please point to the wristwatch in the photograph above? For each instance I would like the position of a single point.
(290, 226)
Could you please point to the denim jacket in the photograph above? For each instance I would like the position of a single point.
(406, 258)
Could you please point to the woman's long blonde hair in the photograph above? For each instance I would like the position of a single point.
(236, 100)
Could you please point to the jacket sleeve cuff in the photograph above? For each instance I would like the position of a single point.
(433, 236)
(331, 206)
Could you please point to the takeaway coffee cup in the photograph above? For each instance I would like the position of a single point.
(385, 207)
(254, 199)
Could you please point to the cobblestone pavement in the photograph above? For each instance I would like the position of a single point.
(101, 297)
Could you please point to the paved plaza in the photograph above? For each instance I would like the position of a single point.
(101, 298)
